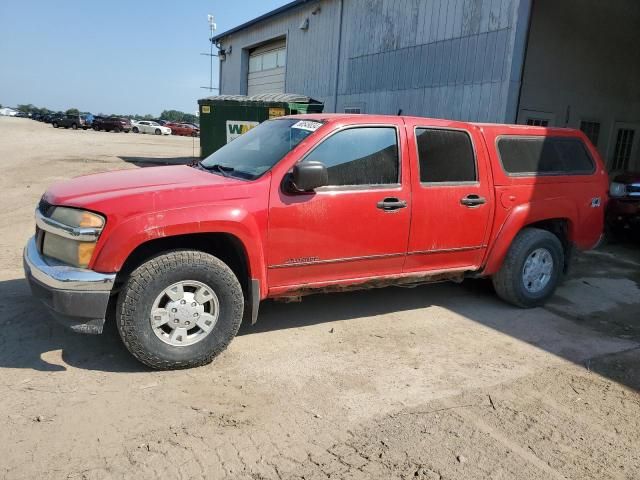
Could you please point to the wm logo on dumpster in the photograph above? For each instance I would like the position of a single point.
(235, 128)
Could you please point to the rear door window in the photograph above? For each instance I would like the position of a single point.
(445, 156)
(544, 156)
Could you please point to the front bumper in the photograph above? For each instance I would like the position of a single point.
(76, 297)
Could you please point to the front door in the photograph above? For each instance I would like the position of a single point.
(452, 198)
(356, 227)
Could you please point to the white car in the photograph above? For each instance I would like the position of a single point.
(146, 126)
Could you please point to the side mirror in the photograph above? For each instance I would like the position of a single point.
(307, 176)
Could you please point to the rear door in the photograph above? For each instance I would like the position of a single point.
(358, 225)
(452, 197)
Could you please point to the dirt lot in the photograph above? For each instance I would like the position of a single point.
(435, 382)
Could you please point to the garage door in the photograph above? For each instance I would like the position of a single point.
(267, 69)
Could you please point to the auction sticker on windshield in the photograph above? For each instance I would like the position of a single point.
(307, 125)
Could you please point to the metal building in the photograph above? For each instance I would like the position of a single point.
(573, 63)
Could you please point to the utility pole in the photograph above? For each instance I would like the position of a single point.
(212, 29)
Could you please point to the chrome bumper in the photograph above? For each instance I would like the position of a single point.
(77, 297)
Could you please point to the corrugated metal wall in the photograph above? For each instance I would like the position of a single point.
(457, 59)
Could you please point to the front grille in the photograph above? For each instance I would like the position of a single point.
(633, 190)
(45, 208)
(39, 239)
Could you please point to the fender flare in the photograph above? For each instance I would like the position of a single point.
(522, 216)
(118, 243)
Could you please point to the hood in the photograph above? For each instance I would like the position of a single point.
(627, 178)
(145, 189)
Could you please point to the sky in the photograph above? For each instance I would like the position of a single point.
(113, 57)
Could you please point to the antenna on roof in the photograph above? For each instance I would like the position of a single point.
(399, 112)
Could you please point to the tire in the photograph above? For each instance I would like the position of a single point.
(158, 132)
(135, 130)
(147, 284)
(96, 128)
(74, 126)
(512, 283)
(55, 125)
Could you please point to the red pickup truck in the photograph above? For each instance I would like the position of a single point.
(309, 204)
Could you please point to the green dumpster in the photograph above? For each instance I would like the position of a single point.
(225, 117)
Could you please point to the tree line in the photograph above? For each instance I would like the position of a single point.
(168, 115)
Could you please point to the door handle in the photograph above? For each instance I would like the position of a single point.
(473, 200)
(391, 203)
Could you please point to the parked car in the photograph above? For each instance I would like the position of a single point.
(184, 129)
(115, 124)
(623, 211)
(70, 121)
(50, 117)
(312, 204)
(148, 126)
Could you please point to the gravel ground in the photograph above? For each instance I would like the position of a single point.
(434, 382)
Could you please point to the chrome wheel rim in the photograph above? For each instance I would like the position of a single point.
(537, 270)
(184, 313)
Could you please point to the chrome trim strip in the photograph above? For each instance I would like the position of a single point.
(52, 226)
(336, 260)
(374, 257)
(64, 277)
(446, 250)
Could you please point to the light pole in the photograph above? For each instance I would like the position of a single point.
(212, 29)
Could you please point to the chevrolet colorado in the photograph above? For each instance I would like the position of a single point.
(311, 204)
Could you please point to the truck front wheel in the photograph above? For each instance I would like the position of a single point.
(179, 310)
(531, 270)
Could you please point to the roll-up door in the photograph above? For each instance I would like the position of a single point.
(267, 68)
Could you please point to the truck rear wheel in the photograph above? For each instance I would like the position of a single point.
(531, 270)
(180, 310)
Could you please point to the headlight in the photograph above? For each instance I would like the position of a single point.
(77, 218)
(68, 251)
(617, 189)
(73, 247)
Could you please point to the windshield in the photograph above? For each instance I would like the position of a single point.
(253, 153)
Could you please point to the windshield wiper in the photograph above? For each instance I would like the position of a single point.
(222, 169)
